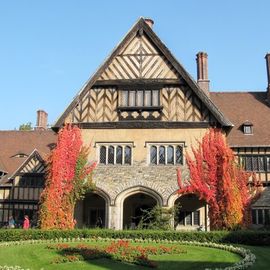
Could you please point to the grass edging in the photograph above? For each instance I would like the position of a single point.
(248, 258)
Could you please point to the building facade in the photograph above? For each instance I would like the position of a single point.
(142, 112)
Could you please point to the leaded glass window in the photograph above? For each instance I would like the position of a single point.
(102, 155)
(127, 155)
(155, 98)
(153, 155)
(111, 155)
(170, 154)
(196, 218)
(179, 155)
(115, 154)
(132, 95)
(119, 155)
(161, 155)
(139, 98)
(255, 163)
(124, 98)
(147, 98)
(166, 154)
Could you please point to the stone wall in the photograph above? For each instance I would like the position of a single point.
(114, 179)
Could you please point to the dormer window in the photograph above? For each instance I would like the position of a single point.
(247, 128)
(20, 155)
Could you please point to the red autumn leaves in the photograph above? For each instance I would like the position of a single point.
(216, 178)
(67, 180)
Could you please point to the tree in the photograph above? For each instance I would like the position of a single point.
(216, 177)
(68, 179)
(158, 218)
(26, 127)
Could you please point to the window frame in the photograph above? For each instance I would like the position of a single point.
(260, 216)
(126, 91)
(185, 216)
(115, 145)
(166, 145)
(255, 162)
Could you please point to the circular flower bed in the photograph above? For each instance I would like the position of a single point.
(116, 245)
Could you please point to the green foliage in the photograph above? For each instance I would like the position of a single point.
(158, 218)
(235, 237)
(26, 127)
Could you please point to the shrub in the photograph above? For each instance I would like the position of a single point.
(235, 237)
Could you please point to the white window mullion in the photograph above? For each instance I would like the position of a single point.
(157, 154)
(107, 154)
(114, 154)
(123, 154)
(174, 155)
(165, 154)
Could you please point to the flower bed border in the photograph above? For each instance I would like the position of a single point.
(248, 258)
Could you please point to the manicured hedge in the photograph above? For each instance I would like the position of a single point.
(235, 237)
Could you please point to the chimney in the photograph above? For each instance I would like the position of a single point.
(202, 71)
(267, 57)
(149, 21)
(42, 118)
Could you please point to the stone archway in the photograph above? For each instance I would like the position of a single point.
(92, 211)
(130, 202)
(133, 207)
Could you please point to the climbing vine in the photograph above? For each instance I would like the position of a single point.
(68, 178)
(216, 178)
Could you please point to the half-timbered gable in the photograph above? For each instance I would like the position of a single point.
(139, 59)
(33, 164)
(141, 81)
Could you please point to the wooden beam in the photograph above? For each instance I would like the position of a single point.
(143, 124)
(145, 83)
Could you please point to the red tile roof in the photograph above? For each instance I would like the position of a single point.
(23, 142)
(240, 107)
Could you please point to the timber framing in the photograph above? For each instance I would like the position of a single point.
(142, 27)
(135, 83)
(145, 125)
(35, 155)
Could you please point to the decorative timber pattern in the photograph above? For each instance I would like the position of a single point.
(97, 105)
(34, 165)
(140, 59)
(182, 105)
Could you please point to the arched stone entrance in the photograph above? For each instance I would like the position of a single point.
(130, 202)
(133, 209)
(192, 214)
(92, 212)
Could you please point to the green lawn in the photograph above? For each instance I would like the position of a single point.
(262, 257)
(38, 257)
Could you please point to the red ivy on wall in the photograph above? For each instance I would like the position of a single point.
(216, 178)
(68, 178)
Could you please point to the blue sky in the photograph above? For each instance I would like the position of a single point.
(49, 49)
